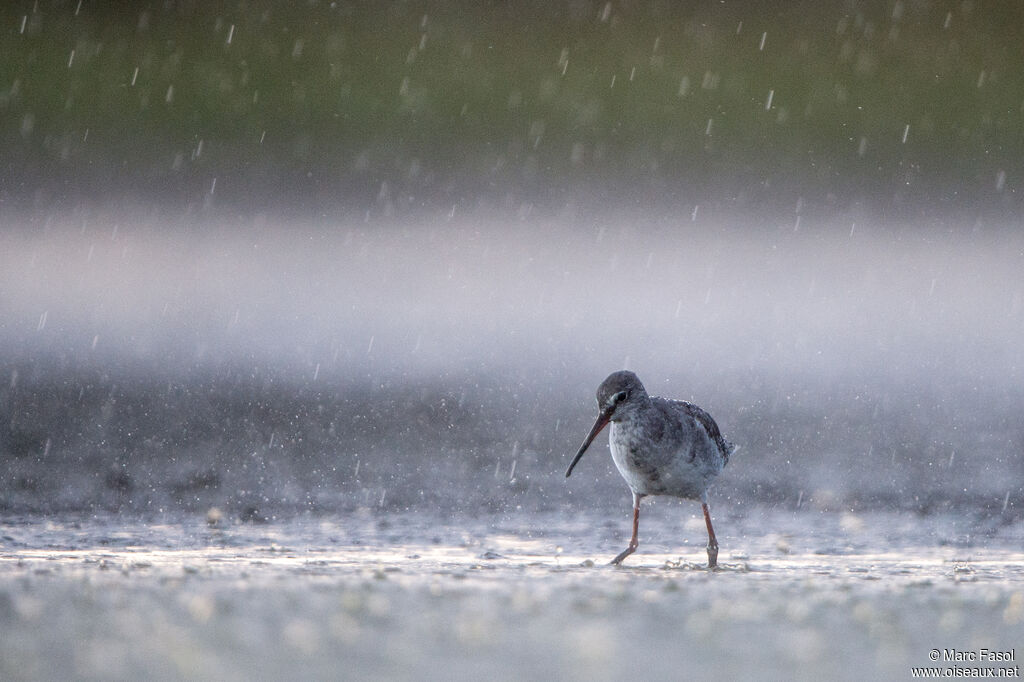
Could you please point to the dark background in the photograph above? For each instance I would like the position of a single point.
(424, 104)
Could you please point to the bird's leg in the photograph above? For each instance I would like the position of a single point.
(633, 542)
(712, 542)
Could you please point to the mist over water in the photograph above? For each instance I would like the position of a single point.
(272, 365)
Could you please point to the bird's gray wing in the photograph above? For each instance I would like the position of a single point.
(707, 422)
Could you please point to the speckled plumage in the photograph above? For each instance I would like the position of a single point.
(659, 446)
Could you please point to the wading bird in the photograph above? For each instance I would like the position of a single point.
(660, 446)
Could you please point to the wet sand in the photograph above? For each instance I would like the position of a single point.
(801, 595)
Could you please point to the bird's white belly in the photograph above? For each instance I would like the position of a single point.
(650, 470)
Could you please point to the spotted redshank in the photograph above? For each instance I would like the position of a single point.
(661, 447)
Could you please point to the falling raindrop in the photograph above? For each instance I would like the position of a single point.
(576, 154)
(231, 34)
(906, 131)
(536, 132)
(169, 97)
(768, 102)
(71, 59)
(764, 37)
(135, 75)
(1000, 180)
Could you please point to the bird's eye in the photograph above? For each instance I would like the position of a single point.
(619, 397)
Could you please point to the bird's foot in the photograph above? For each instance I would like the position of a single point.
(625, 553)
(712, 556)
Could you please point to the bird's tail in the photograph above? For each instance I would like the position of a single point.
(729, 450)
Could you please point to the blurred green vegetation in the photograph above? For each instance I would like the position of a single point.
(901, 105)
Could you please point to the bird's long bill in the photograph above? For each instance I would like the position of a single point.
(602, 421)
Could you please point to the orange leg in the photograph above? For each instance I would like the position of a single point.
(633, 542)
(712, 542)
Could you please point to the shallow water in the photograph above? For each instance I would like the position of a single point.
(800, 594)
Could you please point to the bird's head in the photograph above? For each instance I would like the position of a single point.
(617, 395)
